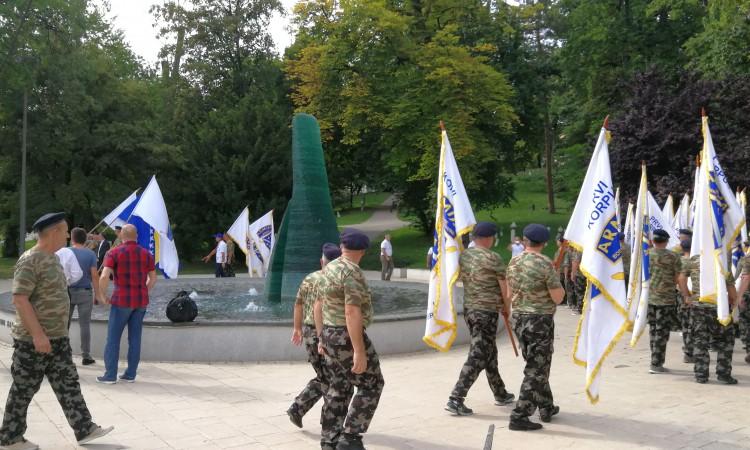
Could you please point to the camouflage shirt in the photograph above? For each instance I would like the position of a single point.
(343, 283)
(745, 265)
(39, 275)
(691, 268)
(480, 269)
(530, 277)
(307, 294)
(664, 264)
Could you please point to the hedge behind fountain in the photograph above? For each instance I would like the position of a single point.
(308, 221)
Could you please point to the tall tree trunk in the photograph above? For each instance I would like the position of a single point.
(548, 159)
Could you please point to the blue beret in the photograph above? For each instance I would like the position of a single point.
(354, 239)
(686, 232)
(331, 251)
(219, 235)
(661, 235)
(536, 232)
(47, 221)
(485, 229)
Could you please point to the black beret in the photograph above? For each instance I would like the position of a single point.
(686, 244)
(118, 227)
(621, 236)
(47, 221)
(331, 251)
(536, 233)
(354, 239)
(485, 229)
(686, 232)
(661, 235)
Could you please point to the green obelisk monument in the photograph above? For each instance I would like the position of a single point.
(308, 222)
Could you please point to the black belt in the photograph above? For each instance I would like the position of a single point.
(80, 288)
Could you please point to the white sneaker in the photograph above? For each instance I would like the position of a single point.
(96, 434)
(23, 445)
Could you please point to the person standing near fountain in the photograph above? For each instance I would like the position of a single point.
(535, 291)
(134, 275)
(304, 331)
(344, 314)
(483, 274)
(40, 339)
(386, 258)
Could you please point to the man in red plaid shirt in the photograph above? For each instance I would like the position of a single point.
(134, 276)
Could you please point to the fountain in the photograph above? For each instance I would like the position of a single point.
(247, 319)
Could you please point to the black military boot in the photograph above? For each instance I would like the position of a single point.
(727, 379)
(545, 415)
(294, 417)
(458, 408)
(505, 399)
(524, 424)
(350, 442)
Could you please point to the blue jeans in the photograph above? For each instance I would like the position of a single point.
(118, 318)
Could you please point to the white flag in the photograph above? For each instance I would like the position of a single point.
(153, 211)
(262, 236)
(718, 222)
(593, 231)
(454, 218)
(629, 224)
(640, 270)
(659, 222)
(668, 211)
(112, 219)
(239, 234)
(682, 217)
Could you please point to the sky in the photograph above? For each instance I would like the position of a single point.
(133, 18)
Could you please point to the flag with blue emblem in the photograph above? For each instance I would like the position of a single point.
(149, 216)
(453, 219)
(639, 279)
(593, 230)
(718, 223)
(261, 242)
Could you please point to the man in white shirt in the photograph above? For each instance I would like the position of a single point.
(221, 255)
(386, 258)
(517, 247)
(70, 265)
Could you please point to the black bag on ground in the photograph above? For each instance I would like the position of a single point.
(182, 308)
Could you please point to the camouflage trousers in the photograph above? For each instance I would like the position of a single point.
(316, 387)
(338, 415)
(686, 324)
(564, 284)
(536, 336)
(578, 290)
(660, 319)
(705, 327)
(744, 323)
(482, 354)
(28, 370)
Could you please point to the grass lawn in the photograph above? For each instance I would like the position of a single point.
(352, 216)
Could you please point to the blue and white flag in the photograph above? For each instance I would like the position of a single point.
(262, 236)
(640, 269)
(453, 219)
(149, 216)
(718, 222)
(593, 230)
(125, 207)
(659, 222)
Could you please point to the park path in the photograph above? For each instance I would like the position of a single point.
(212, 406)
(383, 219)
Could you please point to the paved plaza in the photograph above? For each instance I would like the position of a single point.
(206, 406)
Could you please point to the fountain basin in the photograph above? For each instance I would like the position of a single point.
(260, 335)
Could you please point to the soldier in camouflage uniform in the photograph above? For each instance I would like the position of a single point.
(578, 280)
(482, 272)
(535, 290)
(625, 248)
(665, 269)
(344, 311)
(706, 326)
(40, 339)
(744, 304)
(304, 331)
(686, 307)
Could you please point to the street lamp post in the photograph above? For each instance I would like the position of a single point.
(22, 219)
